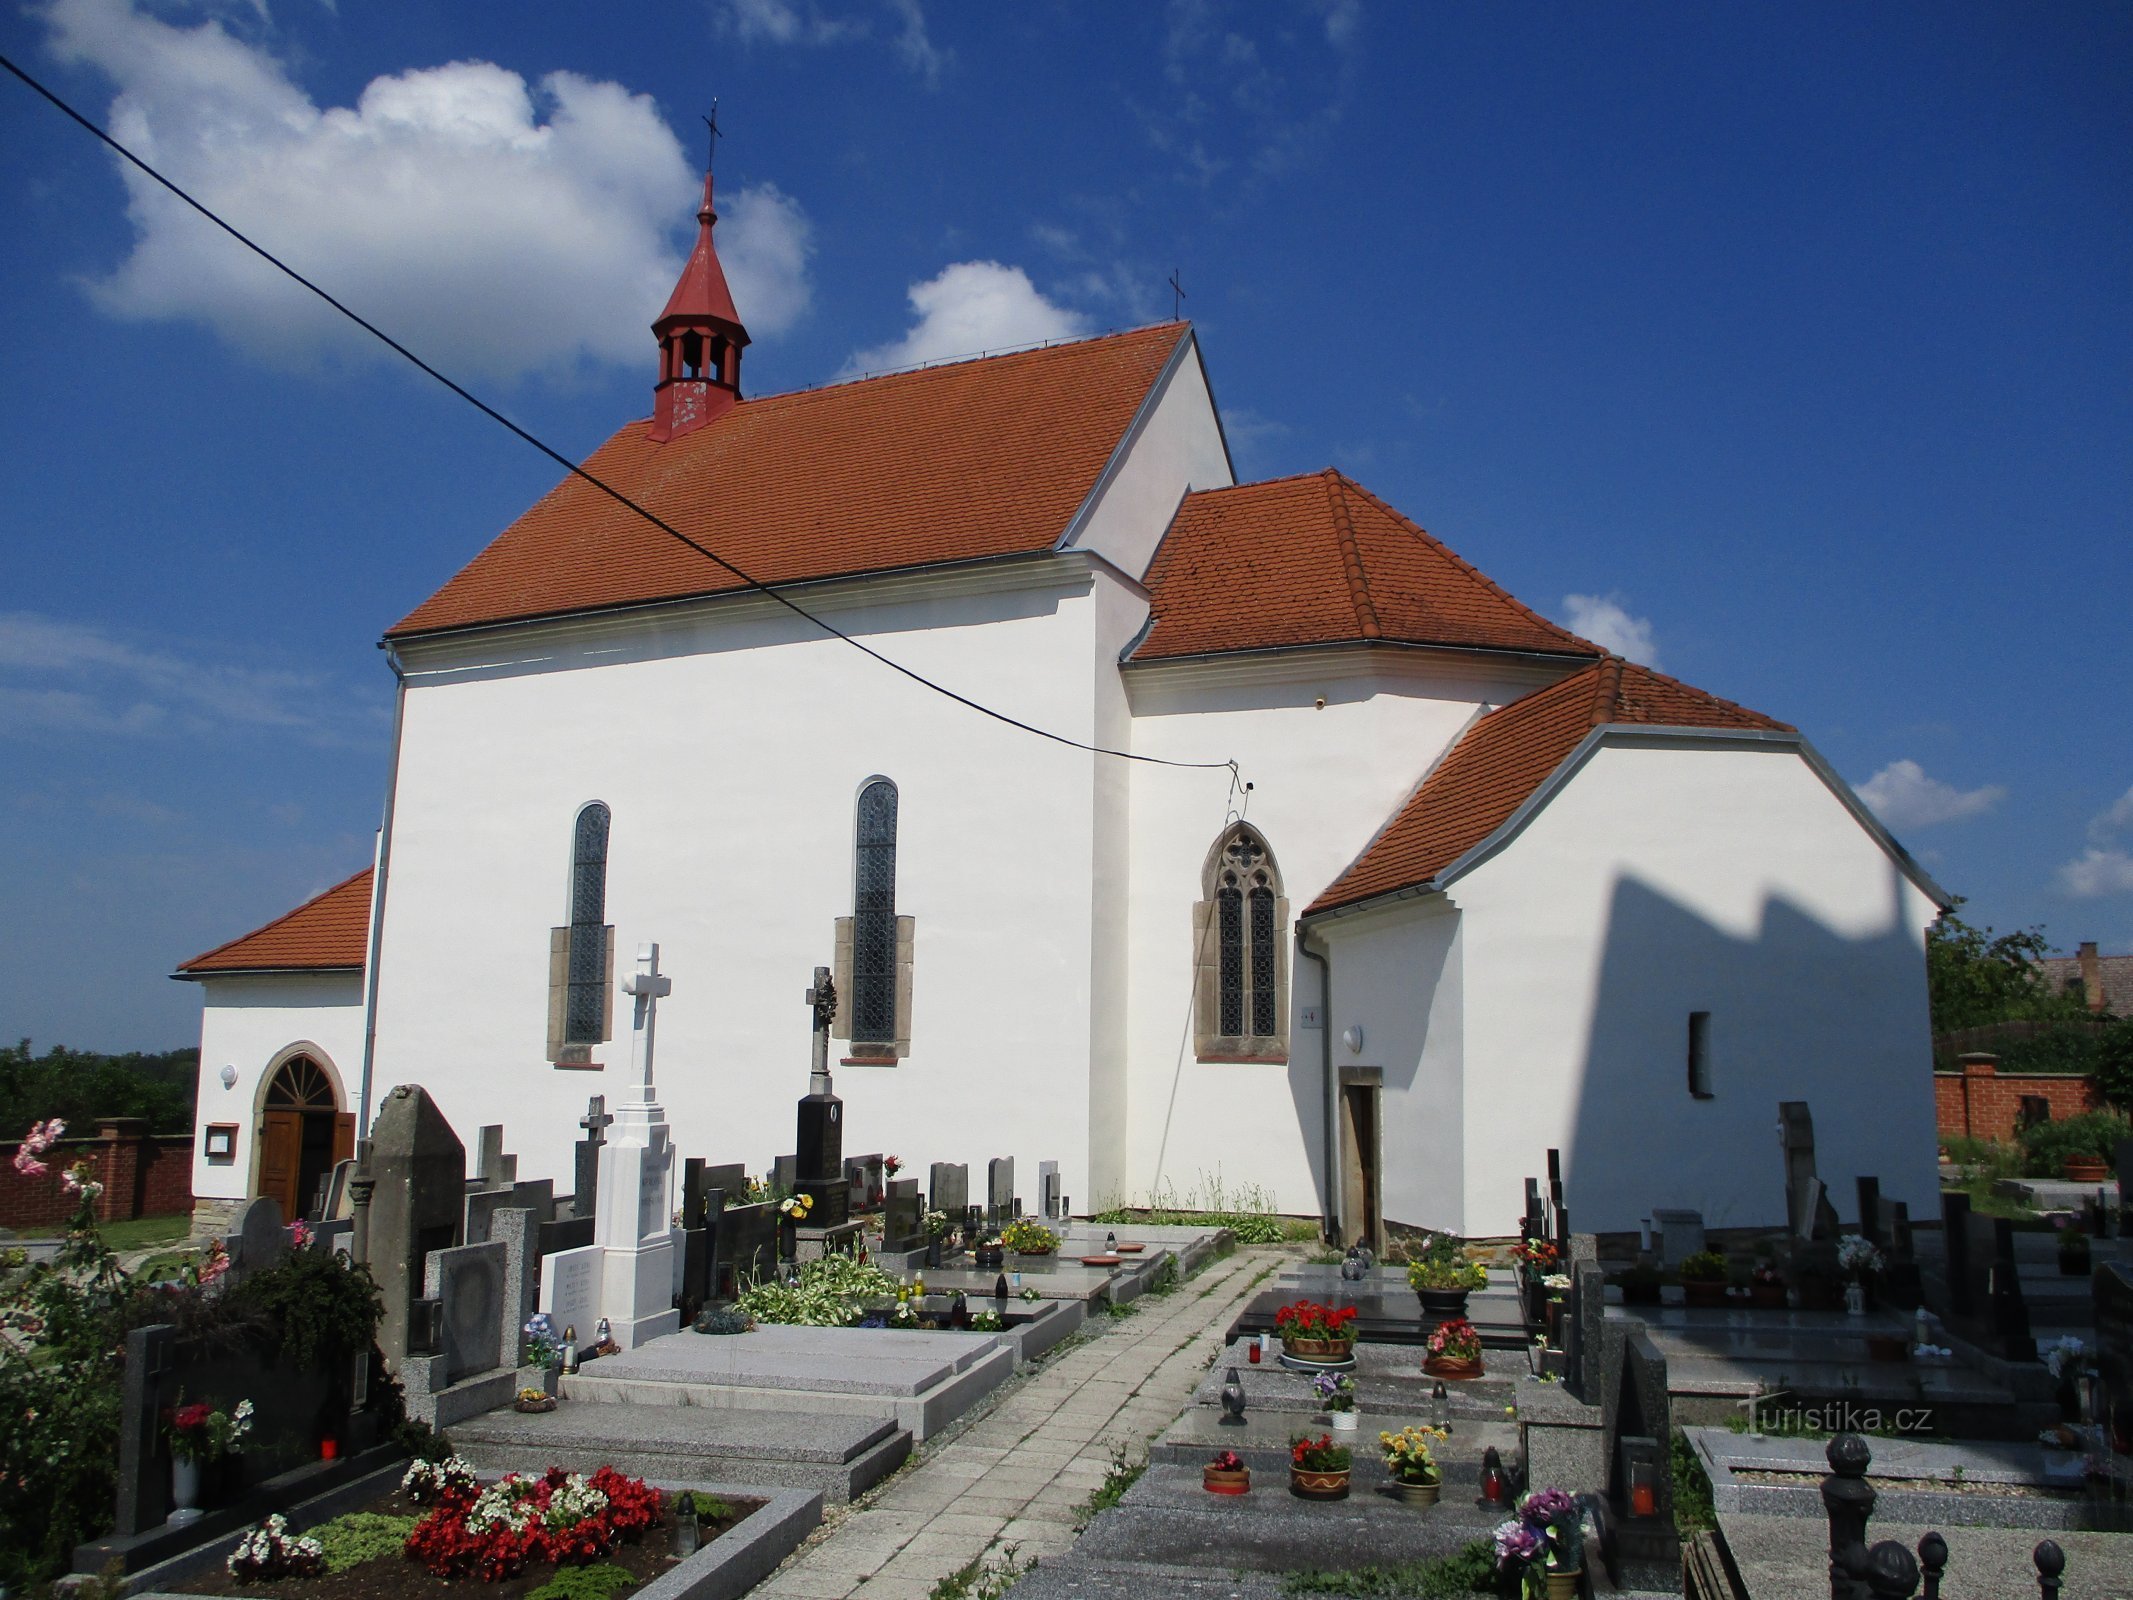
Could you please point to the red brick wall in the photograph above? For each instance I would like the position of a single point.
(143, 1175)
(1976, 1101)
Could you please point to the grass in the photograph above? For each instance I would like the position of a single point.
(1123, 1473)
(136, 1233)
(1468, 1571)
(361, 1536)
(1120, 1310)
(1694, 1510)
(602, 1582)
(980, 1580)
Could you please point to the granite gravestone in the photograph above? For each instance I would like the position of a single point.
(1807, 1206)
(818, 1169)
(1680, 1234)
(417, 1171)
(950, 1188)
(1000, 1190)
(747, 1247)
(493, 1169)
(1048, 1191)
(260, 1239)
(732, 1178)
(903, 1220)
(785, 1173)
(595, 1122)
(467, 1281)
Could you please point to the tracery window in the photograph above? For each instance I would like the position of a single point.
(874, 916)
(1242, 959)
(580, 965)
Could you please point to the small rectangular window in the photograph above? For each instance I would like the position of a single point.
(1700, 1054)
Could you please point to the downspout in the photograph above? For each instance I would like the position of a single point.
(381, 871)
(1324, 958)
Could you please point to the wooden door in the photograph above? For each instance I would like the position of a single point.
(344, 1136)
(1361, 1218)
(281, 1151)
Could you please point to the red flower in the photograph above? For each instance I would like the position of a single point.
(187, 1419)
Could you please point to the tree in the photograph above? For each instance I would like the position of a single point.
(1974, 978)
(82, 1086)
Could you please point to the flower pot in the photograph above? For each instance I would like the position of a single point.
(2086, 1169)
(1442, 1305)
(933, 1252)
(1564, 1585)
(1344, 1421)
(1855, 1299)
(545, 1403)
(1416, 1494)
(1308, 1485)
(1767, 1296)
(1328, 1350)
(1456, 1371)
(184, 1491)
(1215, 1480)
(1704, 1292)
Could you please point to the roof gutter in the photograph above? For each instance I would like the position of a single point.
(207, 973)
(1510, 652)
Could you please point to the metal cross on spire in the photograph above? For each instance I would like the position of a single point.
(711, 138)
(1177, 296)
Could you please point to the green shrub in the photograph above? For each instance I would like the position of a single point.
(2095, 1135)
(832, 1293)
(1705, 1266)
(359, 1537)
(1471, 1570)
(2073, 1050)
(1694, 1509)
(318, 1306)
(602, 1582)
(2114, 1063)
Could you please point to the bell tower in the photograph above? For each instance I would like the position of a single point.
(700, 341)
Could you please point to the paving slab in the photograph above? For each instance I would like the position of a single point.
(1787, 1558)
(833, 1360)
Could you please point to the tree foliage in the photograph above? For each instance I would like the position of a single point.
(1974, 977)
(81, 1086)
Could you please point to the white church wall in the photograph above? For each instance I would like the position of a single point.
(1119, 611)
(729, 743)
(1325, 781)
(1179, 448)
(1397, 975)
(1670, 878)
(252, 1023)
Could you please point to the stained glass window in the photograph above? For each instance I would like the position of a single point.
(874, 917)
(1229, 913)
(585, 1013)
(1246, 890)
(1263, 1023)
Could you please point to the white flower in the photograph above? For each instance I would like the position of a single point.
(2063, 1353)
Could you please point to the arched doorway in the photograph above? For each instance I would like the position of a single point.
(303, 1132)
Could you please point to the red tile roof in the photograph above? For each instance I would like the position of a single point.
(328, 931)
(1320, 560)
(1507, 755)
(950, 463)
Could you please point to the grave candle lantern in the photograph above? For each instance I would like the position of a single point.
(1494, 1487)
(1639, 1466)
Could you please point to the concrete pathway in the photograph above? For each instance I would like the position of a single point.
(1016, 1475)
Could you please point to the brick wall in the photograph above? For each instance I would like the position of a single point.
(1976, 1101)
(143, 1174)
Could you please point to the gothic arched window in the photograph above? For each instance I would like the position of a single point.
(1241, 963)
(874, 916)
(580, 968)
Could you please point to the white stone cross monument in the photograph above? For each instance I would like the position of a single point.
(633, 1213)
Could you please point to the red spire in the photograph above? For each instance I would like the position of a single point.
(700, 340)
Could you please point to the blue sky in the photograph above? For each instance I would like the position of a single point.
(1786, 347)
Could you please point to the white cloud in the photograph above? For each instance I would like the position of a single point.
(112, 686)
(1607, 623)
(498, 230)
(802, 22)
(2098, 873)
(914, 46)
(2113, 819)
(1903, 796)
(972, 306)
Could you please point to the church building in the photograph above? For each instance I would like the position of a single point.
(1284, 858)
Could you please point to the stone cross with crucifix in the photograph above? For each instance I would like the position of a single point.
(819, 1165)
(633, 1231)
(822, 1001)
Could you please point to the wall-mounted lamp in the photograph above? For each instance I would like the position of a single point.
(1353, 1038)
(229, 1077)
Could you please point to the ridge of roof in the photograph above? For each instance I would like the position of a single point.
(957, 461)
(328, 932)
(1505, 757)
(1316, 559)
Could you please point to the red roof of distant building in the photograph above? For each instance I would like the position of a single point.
(949, 463)
(1502, 759)
(327, 932)
(1319, 559)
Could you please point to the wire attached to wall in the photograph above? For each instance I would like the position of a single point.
(746, 580)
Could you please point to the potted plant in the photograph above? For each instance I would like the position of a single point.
(1703, 1278)
(199, 1435)
(1409, 1463)
(1226, 1474)
(1314, 1333)
(1027, 1238)
(989, 1253)
(2073, 1253)
(1318, 1468)
(937, 1231)
(1454, 1351)
(1336, 1392)
(1543, 1547)
(1860, 1262)
(533, 1398)
(1639, 1284)
(1766, 1287)
(1443, 1278)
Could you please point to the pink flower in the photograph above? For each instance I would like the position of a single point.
(300, 1231)
(214, 1264)
(41, 1137)
(28, 1165)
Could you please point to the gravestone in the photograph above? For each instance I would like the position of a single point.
(731, 1177)
(1584, 1332)
(866, 1181)
(468, 1282)
(1900, 1276)
(1869, 1209)
(785, 1173)
(1048, 1194)
(2111, 1295)
(143, 1479)
(596, 1121)
(570, 1291)
(818, 1170)
(1000, 1190)
(565, 1233)
(1680, 1234)
(517, 1232)
(950, 1188)
(260, 1239)
(336, 1207)
(417, 1176)
(483, 1204)
(492, 1168)
(634, 1220)
(1807, 1209)
(903, 1220)
(747, 1246)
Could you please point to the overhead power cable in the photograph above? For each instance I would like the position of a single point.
(747, 580)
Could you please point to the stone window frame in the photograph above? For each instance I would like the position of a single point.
(873, 1052)
(1702, 1084)
(566, 943)
(1210, 1041)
